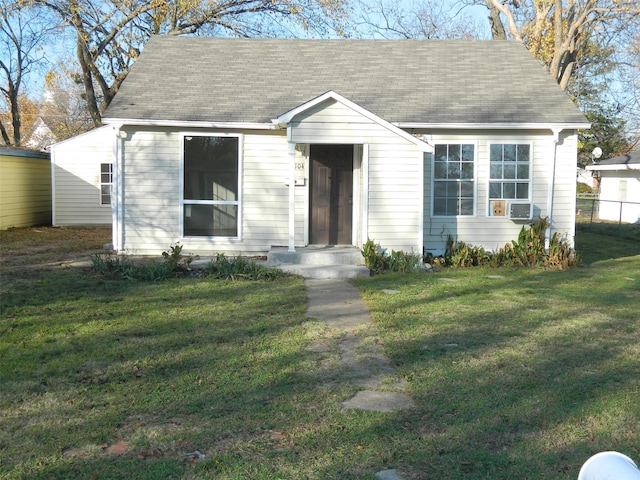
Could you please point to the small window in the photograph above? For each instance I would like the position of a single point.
(106, 183)
(510, 171)
(453, 191)
(211, 198)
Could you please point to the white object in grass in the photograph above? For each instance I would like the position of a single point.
(609, 466)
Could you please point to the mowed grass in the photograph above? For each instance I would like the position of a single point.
(515, 374)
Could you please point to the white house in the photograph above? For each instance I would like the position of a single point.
(619, 198)
(81, 179)
(240, 145)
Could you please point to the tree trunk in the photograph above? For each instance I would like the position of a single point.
(5, 135)
(14, 105)
(497, 28)
(87, 81)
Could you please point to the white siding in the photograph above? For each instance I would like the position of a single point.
(75, 167)
(617, 187)
(395, 166)
(397, 217)
(152, 166)
(493, 232)
(152, 190)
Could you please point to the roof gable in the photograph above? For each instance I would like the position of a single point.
(284, 119)
(196, 79)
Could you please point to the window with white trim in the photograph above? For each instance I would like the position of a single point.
(509, 171)
(453, 183)
(106, 183)
(211, 193)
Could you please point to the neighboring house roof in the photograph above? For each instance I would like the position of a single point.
(22, 152)
(630, 161)
(405, 82)
(40, 137)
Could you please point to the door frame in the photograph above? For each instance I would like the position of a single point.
(359, 161)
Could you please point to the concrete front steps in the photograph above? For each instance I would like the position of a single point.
(319, 262)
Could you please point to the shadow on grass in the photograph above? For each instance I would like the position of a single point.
(603, 241)
(523, 375)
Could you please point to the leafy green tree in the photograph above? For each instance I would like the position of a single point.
(608, 131)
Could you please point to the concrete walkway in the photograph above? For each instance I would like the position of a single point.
(338, 303)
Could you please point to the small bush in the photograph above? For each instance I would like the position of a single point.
(527, 251)
(173, 264)
(374, 256)
(377, 260)
(239, 268)
(583, 188)
(460, 254)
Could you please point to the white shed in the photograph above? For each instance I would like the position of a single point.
(619, 187)
(82, 177)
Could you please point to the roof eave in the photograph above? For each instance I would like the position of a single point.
(613, 167)
(493, 126)
(190, 124)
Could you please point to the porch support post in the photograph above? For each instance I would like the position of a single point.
(292, 196)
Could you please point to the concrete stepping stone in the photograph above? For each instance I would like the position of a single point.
(388, 475)
(376, 401)
(338, 303)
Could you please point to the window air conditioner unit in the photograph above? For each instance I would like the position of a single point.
(520, 211)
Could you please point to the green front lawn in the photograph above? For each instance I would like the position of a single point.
(515, 374)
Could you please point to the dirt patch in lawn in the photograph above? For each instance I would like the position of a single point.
(25, 251)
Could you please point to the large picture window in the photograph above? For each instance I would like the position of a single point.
(510, 171)
(211, 186)
(453, 179)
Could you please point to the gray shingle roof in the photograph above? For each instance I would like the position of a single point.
(256, 80)
(631, 158)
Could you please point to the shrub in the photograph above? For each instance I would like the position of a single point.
(527, 251)
(583, 188)
(239, 268)
(460, 254)
(173, 263)
(374, 256)
(377, 260)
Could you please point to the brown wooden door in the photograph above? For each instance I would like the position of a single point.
(331, 199)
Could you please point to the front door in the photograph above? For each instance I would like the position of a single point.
(331, 197)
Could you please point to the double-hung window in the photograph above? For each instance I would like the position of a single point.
(510, 171)
(211, 189)
(106, 183)
(453, 179)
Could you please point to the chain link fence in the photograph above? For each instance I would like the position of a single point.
(614, 217)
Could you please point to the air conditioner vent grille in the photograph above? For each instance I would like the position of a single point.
(520, 211)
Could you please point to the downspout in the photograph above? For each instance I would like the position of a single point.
(117, 197)
(547, 235)
(292, 192)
